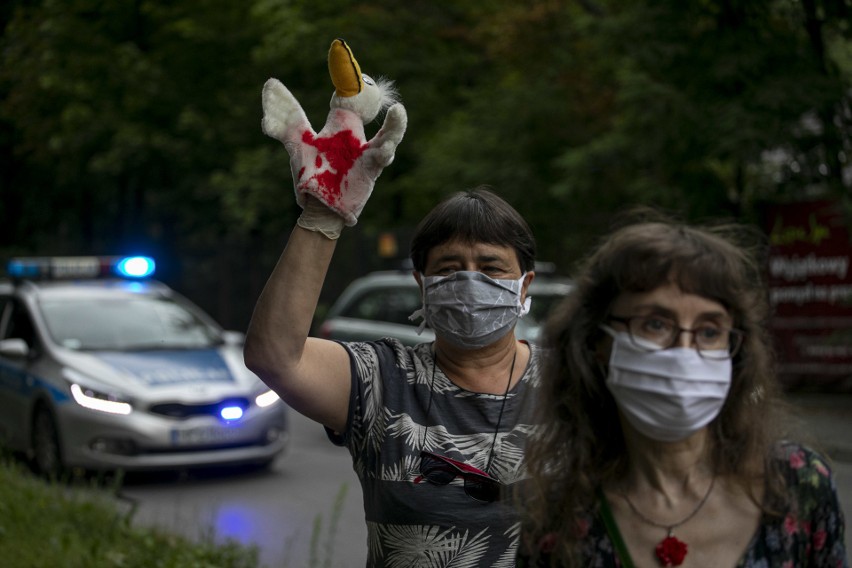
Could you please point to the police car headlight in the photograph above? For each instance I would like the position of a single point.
(267, 398)
(95, 400)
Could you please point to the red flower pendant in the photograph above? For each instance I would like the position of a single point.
(671, 551)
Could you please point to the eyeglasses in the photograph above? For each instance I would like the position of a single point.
(440, 470)
(653, 333)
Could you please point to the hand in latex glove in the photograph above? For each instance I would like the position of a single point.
(337, 166)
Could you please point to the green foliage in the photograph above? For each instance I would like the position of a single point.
(129, 105)
(137, 124)
(47, 525)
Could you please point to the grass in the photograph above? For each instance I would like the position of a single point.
(75, 524)
(328, 548)
(47, 524)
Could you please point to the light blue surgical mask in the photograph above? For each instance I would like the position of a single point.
(469, 309)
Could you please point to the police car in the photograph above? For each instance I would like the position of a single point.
(104, 368)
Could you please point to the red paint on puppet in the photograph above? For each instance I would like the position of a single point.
(340, 150)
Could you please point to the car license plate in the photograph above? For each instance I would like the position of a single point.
(203, 436)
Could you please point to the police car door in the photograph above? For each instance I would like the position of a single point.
(17, 337)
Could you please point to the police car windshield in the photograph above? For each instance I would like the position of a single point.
(125, 324)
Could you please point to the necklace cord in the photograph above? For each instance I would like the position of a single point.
(671, 527)
(499, 416)
(431, 394)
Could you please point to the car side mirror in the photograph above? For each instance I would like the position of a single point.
(233, 337)
(15, 348)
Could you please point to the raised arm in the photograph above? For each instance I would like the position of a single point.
(312, 375)
(334, 172)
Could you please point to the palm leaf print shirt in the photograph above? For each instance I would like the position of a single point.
(411, 522)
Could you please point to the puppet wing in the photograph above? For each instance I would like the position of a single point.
(283, 116)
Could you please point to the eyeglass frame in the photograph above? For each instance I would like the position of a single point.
(732, 350)
(467, 472)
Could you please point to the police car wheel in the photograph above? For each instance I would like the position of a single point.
(47, 458)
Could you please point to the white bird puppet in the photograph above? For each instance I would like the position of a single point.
(337, 165)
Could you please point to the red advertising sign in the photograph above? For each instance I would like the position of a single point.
(810, 290)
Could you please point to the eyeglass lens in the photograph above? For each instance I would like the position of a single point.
(481, 489)
(663, 333)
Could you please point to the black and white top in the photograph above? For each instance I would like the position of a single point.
(411, 522)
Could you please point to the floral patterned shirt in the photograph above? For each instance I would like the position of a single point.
(402, 403)
(809, 535)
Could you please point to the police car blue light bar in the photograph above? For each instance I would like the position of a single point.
(69, 267)
(136, 266)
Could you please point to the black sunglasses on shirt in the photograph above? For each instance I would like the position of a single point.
(441, 470)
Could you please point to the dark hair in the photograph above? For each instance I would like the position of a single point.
(474, 216)
(582, 446)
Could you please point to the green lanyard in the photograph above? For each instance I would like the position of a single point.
(613, 532)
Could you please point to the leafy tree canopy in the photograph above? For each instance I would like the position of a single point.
(130, 124)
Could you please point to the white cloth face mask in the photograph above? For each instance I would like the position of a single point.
(469, 309)
(667, 394)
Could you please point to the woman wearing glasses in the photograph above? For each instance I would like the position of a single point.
(663, 438)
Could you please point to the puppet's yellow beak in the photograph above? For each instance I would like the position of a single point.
(344, 70)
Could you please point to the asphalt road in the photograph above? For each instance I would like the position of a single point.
(276, 510)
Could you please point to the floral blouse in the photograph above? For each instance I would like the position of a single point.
(809, 535)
